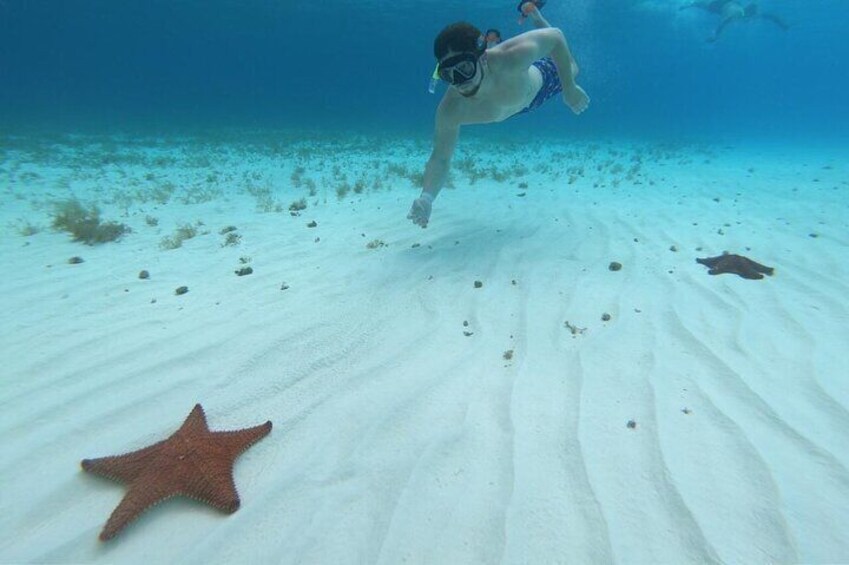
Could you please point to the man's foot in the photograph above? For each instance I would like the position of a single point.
(525, 7)
(420, 210)
(530, 9)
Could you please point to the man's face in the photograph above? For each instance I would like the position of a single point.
(470, 86)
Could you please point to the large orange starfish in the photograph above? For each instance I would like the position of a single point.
(193, 462)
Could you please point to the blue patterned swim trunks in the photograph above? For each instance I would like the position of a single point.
(550, 84)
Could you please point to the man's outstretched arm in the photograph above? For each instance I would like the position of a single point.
(445, 136)
(446, 133)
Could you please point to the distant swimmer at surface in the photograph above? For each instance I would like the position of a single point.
(493, 38)
(732, 11)
(488, 85)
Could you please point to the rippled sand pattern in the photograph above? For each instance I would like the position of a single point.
(417, 418)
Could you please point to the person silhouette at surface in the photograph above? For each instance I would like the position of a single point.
(732, 11)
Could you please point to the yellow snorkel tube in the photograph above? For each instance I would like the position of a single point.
(434, 80)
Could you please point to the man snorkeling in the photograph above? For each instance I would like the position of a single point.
(490, 85)
(732, 11)
(493, 38)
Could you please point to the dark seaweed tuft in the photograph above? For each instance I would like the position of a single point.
(84, 224)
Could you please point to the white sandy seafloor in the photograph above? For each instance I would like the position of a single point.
(417, 418)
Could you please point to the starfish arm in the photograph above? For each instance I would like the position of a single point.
(236, 442)
(142, 495)
(763, 268)
(212, 458)
(214, 486)
(709, 261)
(750, 274)
(195, 422)
(124, 468)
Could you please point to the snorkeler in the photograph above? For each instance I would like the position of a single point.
(493, 37)
(491, 85)
(732, 10)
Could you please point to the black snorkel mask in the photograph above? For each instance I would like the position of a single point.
(459, 68)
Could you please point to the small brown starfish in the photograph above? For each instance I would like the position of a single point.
(736, 264)
(193, 462)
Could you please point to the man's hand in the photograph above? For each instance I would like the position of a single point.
(575, 97)
(420, 210)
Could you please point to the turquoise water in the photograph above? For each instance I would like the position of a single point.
(487, 390)
(166, 65)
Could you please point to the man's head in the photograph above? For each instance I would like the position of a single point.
(458, 48)
(460, 37)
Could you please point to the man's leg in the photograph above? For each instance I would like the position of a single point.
(536, 16)
(776, 20)
(540, 23)
(722, 25)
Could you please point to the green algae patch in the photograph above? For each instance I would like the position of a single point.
(84, 224)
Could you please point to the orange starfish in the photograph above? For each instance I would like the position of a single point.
(736, 264)
(193, 462)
